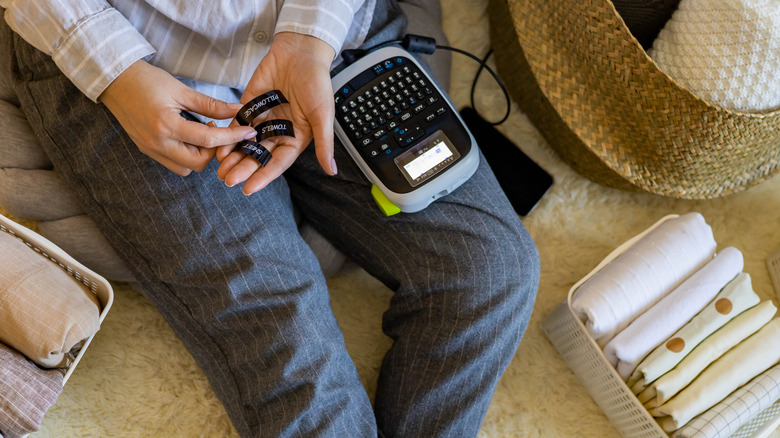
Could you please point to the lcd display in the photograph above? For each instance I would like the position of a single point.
(426, 159)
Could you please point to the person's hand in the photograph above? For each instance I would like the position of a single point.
(298, 66)
(147, 101)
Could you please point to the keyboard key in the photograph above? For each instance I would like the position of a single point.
(408, 135)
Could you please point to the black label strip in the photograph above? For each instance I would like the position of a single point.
(259, 105)
(254, 150)
(274, 128)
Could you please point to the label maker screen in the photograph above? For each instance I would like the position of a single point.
(426, 159)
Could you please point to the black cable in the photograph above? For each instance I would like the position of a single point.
(483, 64)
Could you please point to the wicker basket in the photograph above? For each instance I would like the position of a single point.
(613, 115)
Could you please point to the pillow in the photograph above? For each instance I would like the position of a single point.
(44, 312)
(725, 51)
(27, 393)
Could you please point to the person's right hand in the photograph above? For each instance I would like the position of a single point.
(147, 101)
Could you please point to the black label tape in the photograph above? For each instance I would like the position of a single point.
(259, 105)
(254, 150)
(274, 128)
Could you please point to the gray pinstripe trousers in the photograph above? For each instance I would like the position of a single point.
(245, 294)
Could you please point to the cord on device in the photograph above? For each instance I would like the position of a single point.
(483, 64)
(410, 42)
(426, 45)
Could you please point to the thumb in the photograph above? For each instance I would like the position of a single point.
(208, 106)
(322, 127)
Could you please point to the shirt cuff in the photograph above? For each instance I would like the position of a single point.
(98, 49)
(328, 20)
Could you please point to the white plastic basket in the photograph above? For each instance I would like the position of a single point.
(582, 354)
(97, 284)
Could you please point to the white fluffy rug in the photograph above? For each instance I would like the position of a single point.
(136, 379)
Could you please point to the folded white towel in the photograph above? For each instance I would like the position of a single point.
(732, 300)
(731, 334)
(663, 319)
(723, 419)
(643, 274)
(742, 363)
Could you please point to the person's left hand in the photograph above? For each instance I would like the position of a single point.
(298, 66)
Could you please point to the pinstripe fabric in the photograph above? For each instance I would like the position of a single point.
(26, 393)
(93, 41)
(244, 293)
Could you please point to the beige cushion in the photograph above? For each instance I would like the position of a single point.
(44, 312)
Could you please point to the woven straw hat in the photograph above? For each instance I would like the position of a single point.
(613, 115)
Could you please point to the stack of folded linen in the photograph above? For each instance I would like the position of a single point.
(46, 315)
(684, 337)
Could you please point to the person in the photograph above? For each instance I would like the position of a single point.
(213, 242)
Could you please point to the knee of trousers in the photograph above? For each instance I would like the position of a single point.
(508, 268)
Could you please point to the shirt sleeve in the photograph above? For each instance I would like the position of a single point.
(328, 20)
(91, 42)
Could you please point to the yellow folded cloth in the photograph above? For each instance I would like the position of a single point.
(731, 334)
(742, 363)
(44, 312)
(736, 297)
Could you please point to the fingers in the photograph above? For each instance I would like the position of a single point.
(208, 106)
(224, 151)
(283, 157)
(208, 137)
(238, 167)
(321, 121)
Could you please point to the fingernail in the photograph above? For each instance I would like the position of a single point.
(229, 185)
(250, 134)
(333, 167)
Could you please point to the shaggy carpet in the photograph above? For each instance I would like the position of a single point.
(137, 380)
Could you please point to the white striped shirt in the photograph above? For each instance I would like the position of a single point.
(217, 42)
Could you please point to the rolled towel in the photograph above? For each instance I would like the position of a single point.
(643, 274)
(731, 334)
(26, 393)
(45, 312)
(651, 328)
(739, 408)
(747, 360)
(734, 299)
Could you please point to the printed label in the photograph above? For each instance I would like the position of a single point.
(259, 105)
